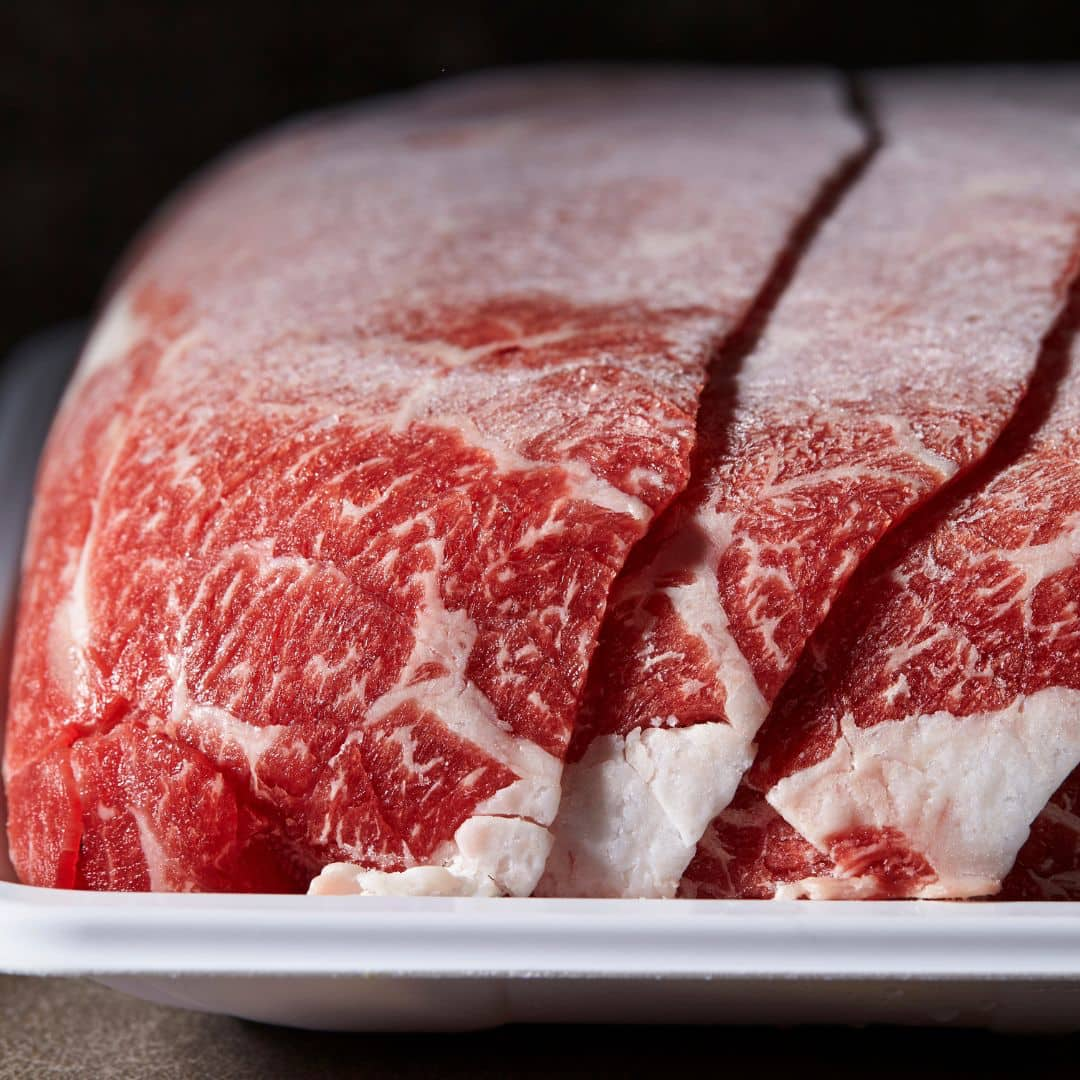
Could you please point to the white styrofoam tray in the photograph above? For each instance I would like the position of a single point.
(433, 963)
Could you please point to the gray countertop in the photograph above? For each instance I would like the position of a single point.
(72, 1027)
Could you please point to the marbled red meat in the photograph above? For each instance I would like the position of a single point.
(936, 715)
(894, 359)
(1047, 867)
(326, 525)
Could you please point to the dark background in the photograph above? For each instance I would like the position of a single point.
(107, 106)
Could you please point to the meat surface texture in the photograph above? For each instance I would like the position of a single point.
(326, 526)
(938, 710)
(896, 356)
(1048, 865)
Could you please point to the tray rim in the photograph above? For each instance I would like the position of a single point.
(60, 932)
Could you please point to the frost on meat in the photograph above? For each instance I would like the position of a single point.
(896, 356)
(938, 710)
(326, 526)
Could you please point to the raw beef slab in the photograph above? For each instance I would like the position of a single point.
(938, 710)
(326, 525)
(896, 356)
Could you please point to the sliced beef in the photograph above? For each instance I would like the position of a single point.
(895, 358)
(327, 523)
(936, 714)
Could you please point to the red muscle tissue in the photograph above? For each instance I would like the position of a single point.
(681, 428)
(938, 710)
(326, 525)
(896, 356)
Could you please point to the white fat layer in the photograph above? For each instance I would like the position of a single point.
(535, 797)
(78, 604)
(692, 772)
(509, 851)
(489, 856)
(152, 851)
(69, 631)
(67, 647)
(963, 790)
(118, 329)
(344, 879)
(612, 836)
(635, 808)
